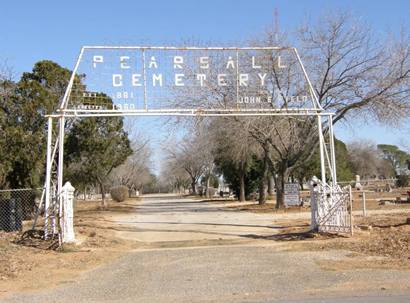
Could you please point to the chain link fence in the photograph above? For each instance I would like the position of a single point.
(18, 209)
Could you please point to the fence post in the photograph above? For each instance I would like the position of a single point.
(364, 203)
(313, 211)
(314, 196)
(67, 224)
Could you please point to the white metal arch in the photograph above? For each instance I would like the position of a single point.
(55, 146)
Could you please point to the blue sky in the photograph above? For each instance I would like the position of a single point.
(55, 30)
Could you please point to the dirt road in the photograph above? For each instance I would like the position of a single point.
(202, 252)
(168, 218)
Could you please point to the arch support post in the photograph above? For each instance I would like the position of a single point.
(60, 174)
(321, 149)
(332, 151)
(49, 165)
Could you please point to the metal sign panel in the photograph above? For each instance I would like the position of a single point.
(292, 197)
(119, 78)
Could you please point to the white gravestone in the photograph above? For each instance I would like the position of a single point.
(68, 213)
(357, 184)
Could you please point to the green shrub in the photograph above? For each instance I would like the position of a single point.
(119, 193)
(403, 180)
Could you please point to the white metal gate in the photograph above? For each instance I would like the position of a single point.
(331, 207)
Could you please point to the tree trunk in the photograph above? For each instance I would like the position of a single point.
(279, 192)
(280, 181)
(208, 178)
(262, 191)
(103, 202)
(242, 197)
(262, 181)
(301, 183)
(271, 185)
(193, 186)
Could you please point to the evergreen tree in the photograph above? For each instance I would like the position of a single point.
(23, 106)
(94, 147)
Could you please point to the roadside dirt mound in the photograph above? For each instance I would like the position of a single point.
(387, 236)
(23, 261)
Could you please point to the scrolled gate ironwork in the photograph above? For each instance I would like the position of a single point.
(331, 207)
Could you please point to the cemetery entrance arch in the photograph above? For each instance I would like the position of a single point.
(109, 81)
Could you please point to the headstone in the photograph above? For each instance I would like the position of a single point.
(357, 184)
(68, 213)
(292, 197)
(388, 188)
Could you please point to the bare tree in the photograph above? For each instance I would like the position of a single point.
(367, 161)
(194, 156)
(135, 172)
(353, 75)
(175, 177)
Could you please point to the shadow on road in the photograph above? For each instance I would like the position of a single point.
(296, 236)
